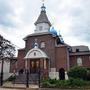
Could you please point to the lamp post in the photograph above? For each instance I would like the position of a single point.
(27, 78)
(27, 75)
(39, 78)
(1, 78)
(39, 74)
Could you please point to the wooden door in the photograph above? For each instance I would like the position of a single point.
(34, 66)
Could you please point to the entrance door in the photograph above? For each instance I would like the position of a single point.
(34, 66)
(61, 74)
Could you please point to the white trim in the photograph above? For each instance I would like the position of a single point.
(35, 53)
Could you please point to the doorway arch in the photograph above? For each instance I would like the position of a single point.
(61, 74)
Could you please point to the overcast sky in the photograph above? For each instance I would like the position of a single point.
(70, 17)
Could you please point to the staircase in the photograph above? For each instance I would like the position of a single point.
(21, 79)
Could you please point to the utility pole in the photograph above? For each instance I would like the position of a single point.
(39, 76)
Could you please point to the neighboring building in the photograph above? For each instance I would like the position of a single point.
(6, 69)
(45, 51)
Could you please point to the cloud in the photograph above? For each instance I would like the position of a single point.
(71, 17)
(81, 22)
(5, 13)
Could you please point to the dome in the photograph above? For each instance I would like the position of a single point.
(53, 31)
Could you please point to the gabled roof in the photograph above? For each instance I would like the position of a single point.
(42, 17)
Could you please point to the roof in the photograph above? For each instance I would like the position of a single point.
(42, 17)
(35, 53)
(36, 34)
(79, 53)
(81, 48)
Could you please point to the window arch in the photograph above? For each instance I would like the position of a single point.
(79, 61)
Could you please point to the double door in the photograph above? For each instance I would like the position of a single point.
(34, 66)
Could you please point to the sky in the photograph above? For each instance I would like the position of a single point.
(69, 17)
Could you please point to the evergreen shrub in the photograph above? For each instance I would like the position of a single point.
(78, 72)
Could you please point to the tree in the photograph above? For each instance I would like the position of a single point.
(7, 51)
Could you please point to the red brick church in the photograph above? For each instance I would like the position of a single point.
(45, 51)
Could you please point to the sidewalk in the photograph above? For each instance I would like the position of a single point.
(10, 86)
(10, 89)
(17, 89)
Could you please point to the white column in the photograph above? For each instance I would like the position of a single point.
(26, 67)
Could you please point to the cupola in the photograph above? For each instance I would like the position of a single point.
(42, 24)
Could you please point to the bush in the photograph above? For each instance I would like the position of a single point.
(49, 83)
(71, 83)
(76, 82)
(78, 72)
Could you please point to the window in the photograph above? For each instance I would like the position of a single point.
(32, 64)
(40, 28)
(79, 61)
(37, 64)
(45, 64)
(42, 44)
(77, 50)
(34, 53)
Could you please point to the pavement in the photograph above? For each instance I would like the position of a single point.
(10, 89)
(18, 88)
(10, 86)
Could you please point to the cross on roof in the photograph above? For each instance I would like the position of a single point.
(43, 0)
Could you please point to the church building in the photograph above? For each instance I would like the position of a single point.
(46, 52)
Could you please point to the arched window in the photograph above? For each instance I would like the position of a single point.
(42, 44)
(79, 61)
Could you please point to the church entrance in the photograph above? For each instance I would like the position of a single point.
(37, 63)
(34, 66)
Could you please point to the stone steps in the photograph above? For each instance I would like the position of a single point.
(21, 79)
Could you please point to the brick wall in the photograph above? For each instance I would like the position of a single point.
(85, 60)
(61, 57)
(20, 59)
